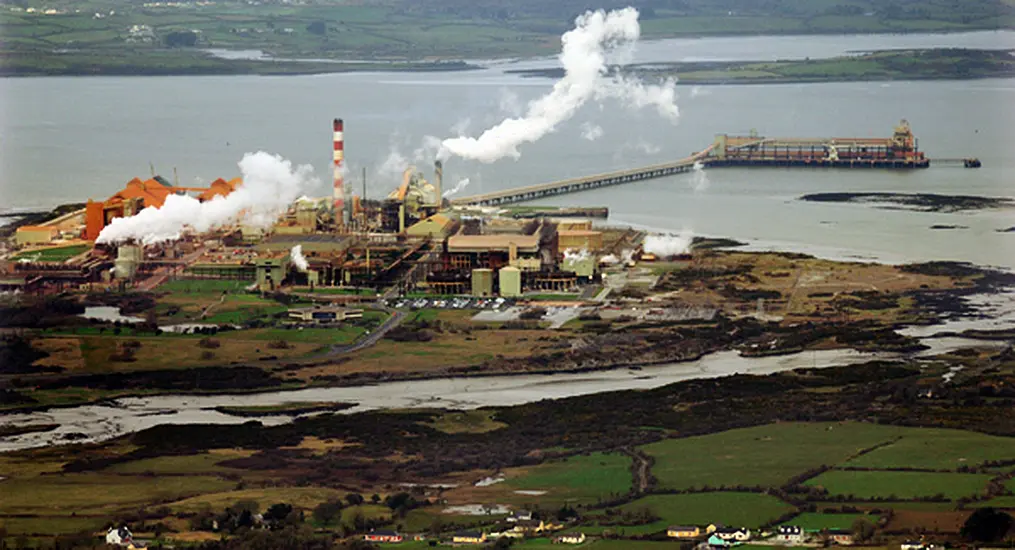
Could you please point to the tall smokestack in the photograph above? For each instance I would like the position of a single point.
(338, 192)
(438, 169)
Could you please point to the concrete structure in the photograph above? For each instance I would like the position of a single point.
(584, 267)
(482, 282)
(324, 315)
(579, 239)
(271, 271)
(510, 282)
(683, 532)
(35, 234)
(437, 226)
(128, 259)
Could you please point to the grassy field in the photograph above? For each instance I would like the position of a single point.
(740, 509)
(204, 463)
(300, 497)
(55, 254)
(51, 525)
(871, 484)
(203, 286)
(73, 493)
(473, 422)
(162, 352)
(760, 456)
(938, 449)
(586, 478)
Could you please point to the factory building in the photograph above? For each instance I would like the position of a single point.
(35, 234)
(323, 315)
(137, 195)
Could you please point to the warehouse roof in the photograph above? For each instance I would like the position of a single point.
(482, 243)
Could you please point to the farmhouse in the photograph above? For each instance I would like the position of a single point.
(570, 538)
(683, 532)
(840, 536)
(793, 534)
(469, 537)
(736, 534)
(383, 535)
(520, 515)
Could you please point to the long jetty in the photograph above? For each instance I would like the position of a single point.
(898, 152)
(532, 192)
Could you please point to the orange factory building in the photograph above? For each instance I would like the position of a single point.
(138, 195)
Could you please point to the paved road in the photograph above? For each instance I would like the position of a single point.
(396, 319)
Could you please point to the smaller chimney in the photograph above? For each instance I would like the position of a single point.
(438, 169)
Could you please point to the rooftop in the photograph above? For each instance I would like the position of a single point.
(483, 243)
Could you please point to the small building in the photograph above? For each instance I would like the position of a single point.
(469, 537)
(520, 515)
(792, 534)
(120, 536)
(36, 234)
(511, 286)
(683, 532)
(735, 534)
(383, 535)
(570, 538)
(324, 315)
(841, 536)
(271, 271)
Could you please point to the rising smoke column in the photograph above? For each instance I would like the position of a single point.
(270, 185)
(300, 261)
(583, 55)
(669, 245)
(699, 180)
(458, 188)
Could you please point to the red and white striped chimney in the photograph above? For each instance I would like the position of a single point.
(338, 195)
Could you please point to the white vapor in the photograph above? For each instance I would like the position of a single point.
(296, 255)
(460, 186)
(584, 52)
(699, 179)
(576, 255)
(591, 132)
(270, 185)
(665, 246)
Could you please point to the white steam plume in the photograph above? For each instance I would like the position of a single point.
(669, 245)
(699, 179)
(609, 259)
(270, 185)
(576, 255)
(460, 186)
(583, 56)
(296, 255)
(591, 132)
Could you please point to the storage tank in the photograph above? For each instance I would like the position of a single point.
(510, 282)
(482, 282)
(128, 258)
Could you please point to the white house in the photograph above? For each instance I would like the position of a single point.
(119, 536)
(792, 534)
(520, 515)
(571, 538)
(738, 534)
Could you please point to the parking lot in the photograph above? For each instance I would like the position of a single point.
(462, 302)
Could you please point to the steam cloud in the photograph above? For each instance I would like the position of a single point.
(576, 255)
(460, 186)
(591, 132)
(270, 185)
(699, 180)
(669, 245)
(296, 255)
(584, 57)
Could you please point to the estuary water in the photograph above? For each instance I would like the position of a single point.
(68, 139)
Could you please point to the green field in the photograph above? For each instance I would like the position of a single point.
(50, 525)
(57, 254)
(203, 286)
(932, 448)
(812, 521)
(903, 485)
(584, 478)
(760, 456)
(73, 493)
(739, 509)
(204, 463)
